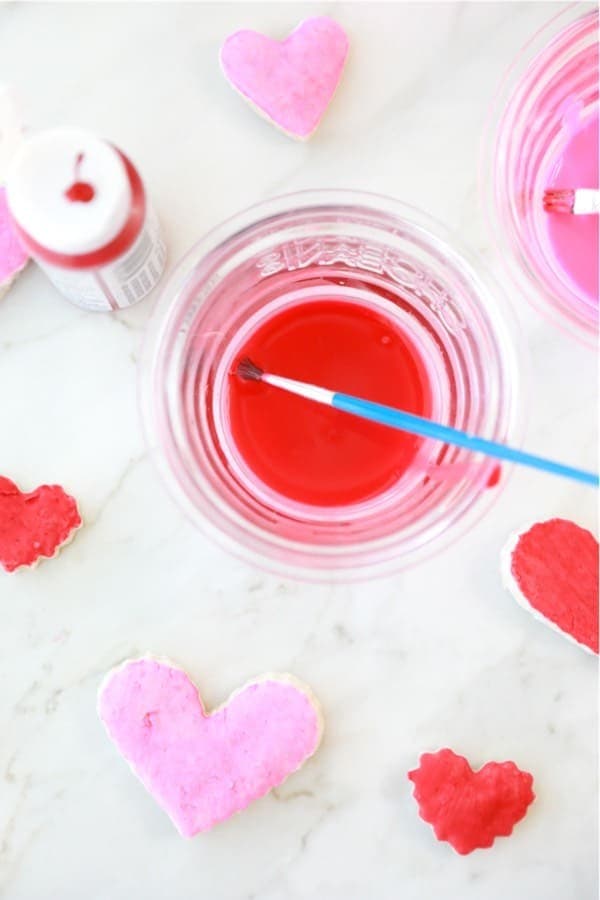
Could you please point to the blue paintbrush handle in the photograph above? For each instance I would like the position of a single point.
(387, 415)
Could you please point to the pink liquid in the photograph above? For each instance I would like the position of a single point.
(312, 453)
(574, 239)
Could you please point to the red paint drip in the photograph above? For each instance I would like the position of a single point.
(80, 191)
(312, 453)
(494, 478)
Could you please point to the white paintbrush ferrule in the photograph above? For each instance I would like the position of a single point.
(586, 202)
(301, 388)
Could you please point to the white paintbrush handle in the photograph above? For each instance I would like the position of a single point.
(586, 202)
(310, 391)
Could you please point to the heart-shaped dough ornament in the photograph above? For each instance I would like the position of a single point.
(36, 525)
(290, 82)
(201, 767)
(466, 808)
(551, 569)
(12, 256)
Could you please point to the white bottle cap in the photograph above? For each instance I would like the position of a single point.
(42, 171)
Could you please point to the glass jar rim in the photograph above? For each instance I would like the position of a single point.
(579, 12)
(167, 308)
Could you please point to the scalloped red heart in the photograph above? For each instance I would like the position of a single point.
(34, 525)
(466, 808)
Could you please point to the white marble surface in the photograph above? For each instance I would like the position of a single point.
(437, 656)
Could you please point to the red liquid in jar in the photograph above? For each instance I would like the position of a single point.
(311, 453)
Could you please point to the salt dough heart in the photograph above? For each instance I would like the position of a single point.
(201, 768)
(292, 81)
(551, 569)
(11, 128)
(34, 525)
(466, 808)
(12, 256)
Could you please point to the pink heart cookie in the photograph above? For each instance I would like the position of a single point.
(12, 256)
(551, 569)
(203, 767)
(292, 81)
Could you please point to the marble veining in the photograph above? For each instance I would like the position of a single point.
(438, 655)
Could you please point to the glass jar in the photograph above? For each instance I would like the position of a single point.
(335, 244)
(554, 74)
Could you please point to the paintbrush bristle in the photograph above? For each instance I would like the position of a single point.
(559, 200)
(247, 370)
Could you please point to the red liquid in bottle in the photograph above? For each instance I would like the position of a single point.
(311, 453)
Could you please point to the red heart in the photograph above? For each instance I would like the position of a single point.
(466, 808)
(552, 571)
(34, 525)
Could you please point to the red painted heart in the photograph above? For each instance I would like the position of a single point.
(466, 808)
(551, 569)
(34, 525)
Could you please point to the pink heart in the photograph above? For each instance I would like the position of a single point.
(551, 569)
(291, 81)
(12, 256)
(201, 768)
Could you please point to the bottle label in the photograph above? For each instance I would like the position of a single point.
(121, 283)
